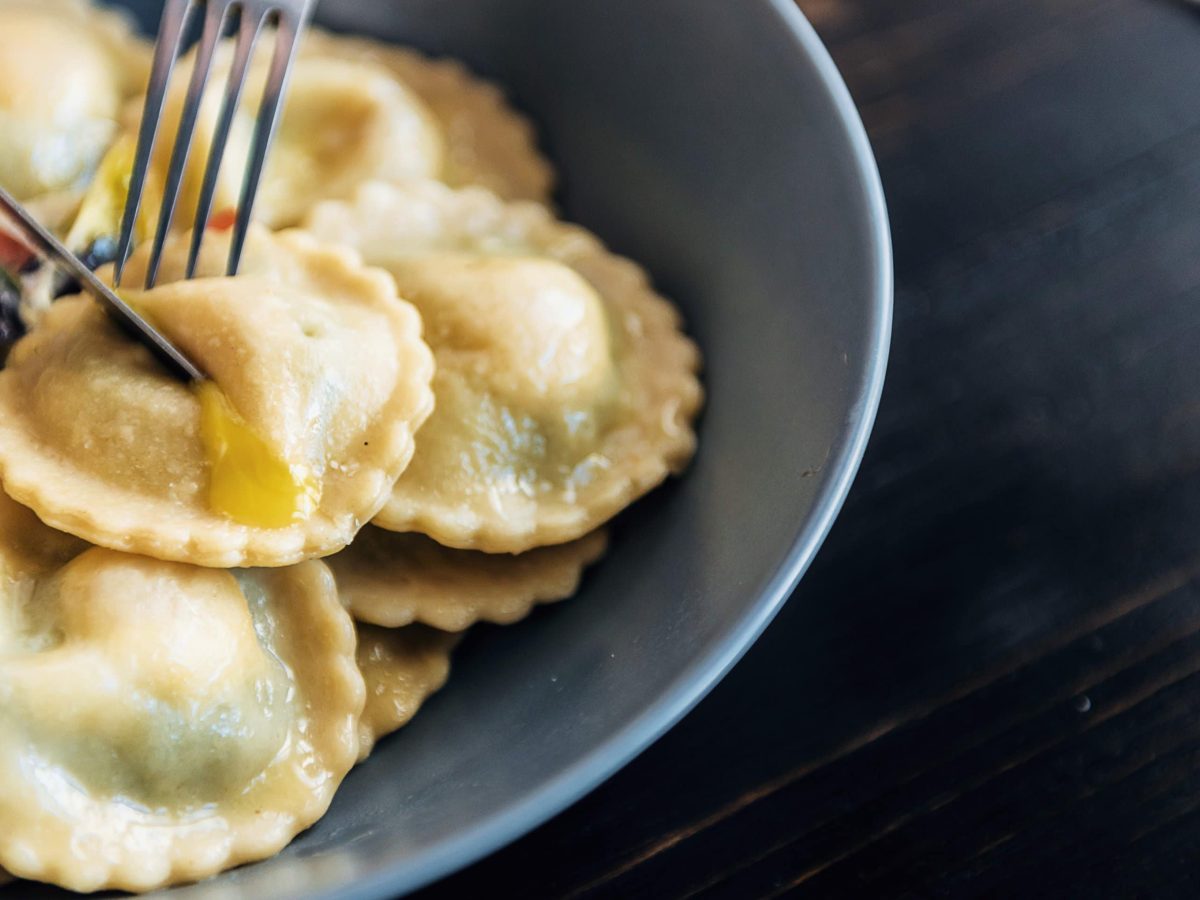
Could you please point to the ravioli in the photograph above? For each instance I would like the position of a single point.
(565, 387)
(356, 110)
(65, 69)
(394, 579)
(401, 668)
(28, 548)
(131, 763)
(344, 121)
(488, 143)
(317, 356)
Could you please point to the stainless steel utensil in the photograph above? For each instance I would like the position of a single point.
(288, 19)
(41, 239)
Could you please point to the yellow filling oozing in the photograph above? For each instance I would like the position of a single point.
(103, 205)
(249, 482)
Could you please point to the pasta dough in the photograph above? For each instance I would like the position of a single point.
(401, 667)
(356, 110)
(29, 548)
(131, 763)
(565, 388)
(395, 579)
(65, 68)
(488, 143)
(344, 122)
(315, 352)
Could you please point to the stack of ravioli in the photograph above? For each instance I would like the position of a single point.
(466, 388)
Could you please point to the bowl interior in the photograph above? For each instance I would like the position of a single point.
(712, 142)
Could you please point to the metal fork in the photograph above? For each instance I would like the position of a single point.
(39, 238)
(289, 18)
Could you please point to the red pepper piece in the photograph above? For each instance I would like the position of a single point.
(223, 219)
(13, 253)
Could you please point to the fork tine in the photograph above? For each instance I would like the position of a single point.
(128, 318)
(214, 20)
(243, 52)
(166, 49)
(287, 42)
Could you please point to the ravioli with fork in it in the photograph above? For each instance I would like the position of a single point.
(321, 380)
(565, 386)
(65, 69)
(128, 763)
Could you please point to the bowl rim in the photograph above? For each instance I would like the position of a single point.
(490, 834)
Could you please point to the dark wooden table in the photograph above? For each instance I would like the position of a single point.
(989, 682)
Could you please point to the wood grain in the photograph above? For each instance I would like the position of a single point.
(989, 683)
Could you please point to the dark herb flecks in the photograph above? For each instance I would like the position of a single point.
(11, 326)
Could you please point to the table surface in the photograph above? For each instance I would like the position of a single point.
(989, 682)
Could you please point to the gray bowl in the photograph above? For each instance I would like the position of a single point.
(713, 141)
